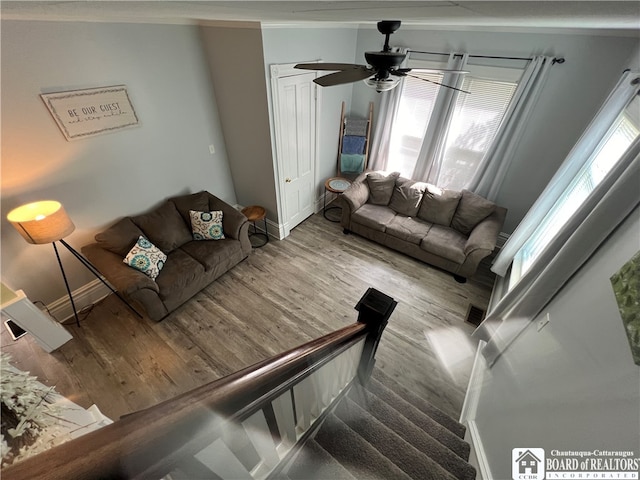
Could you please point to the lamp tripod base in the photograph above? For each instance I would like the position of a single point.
(93, 270)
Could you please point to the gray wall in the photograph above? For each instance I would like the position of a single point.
(294, 45)
(573, 385)
(574, 92)
(102, 178)
(234, 53)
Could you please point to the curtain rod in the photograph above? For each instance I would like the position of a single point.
(555, 60)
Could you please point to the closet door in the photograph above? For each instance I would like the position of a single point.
(295, 128)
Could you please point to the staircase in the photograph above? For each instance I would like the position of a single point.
(301, 414)
(383, 431)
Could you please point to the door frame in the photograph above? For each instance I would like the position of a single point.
(278, 71)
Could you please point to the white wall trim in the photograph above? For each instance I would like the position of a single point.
(482, 467)
(84, 296)
(469, 409)
(272, 227)
(474, 387)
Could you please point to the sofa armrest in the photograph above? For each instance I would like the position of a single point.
(355, 196)
(125, 279)
(232, 219)
(485, 235)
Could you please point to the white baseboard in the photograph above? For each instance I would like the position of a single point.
(479, 455)
(472, 397)
(84, 296)
(468, 414)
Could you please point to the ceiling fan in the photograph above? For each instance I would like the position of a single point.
(382, 72)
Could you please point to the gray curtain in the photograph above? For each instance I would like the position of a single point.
(613, 200)
(489, 176)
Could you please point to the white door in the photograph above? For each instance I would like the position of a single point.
(295, 107)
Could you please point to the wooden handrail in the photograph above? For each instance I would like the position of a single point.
(147, 443)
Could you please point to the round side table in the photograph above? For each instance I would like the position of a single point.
(335, 185)
(253, 214)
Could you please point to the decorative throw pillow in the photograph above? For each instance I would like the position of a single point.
(381, 187)
(207, 225)
(146, 257)
(472, 209)
(406, 197)
(438, 205)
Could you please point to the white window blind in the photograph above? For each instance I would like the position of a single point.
(471, 127)
(414, 113)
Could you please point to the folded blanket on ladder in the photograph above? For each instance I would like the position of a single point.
(352, 144)
(356, 126)
(351, 163)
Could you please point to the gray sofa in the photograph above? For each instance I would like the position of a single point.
(448, 229)
(190, 265)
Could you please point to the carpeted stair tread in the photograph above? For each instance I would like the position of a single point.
(315, 463)
(420, 419)
(357, 455)
(409, 459)
(421, 440)
(432, 411)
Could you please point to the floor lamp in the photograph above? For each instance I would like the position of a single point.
(47, 222)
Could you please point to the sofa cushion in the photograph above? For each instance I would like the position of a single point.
(471, 210)
(375, 217)
(406, 197)
(381, 187)
(146, 257)
(179, 272)
(119, 237)
(207, 225)
(409, 229)
(193, 201)
(211, 254)
(164, 227)
(445, 242)
(438, 205)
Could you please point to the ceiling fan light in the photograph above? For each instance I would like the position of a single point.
(382, 85)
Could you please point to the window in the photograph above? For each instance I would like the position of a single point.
(468, 129)
(624, 130)
(410, 125)
(473, 127)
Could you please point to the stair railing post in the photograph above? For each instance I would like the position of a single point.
(374, 309)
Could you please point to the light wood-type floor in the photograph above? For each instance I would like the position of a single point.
(284, 294)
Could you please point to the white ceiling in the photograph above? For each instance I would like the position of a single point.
(605, 15)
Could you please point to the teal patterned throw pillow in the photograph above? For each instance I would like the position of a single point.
(146, 257)
(206, 225)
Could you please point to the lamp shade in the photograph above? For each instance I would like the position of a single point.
(41, 222)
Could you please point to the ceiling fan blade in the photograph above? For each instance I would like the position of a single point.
(328, 66)
(345, 76)
(437, 83)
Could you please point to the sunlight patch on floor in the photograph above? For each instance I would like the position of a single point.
(455, 351)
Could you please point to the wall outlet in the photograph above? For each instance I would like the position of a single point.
(543, 321)
(212, 149)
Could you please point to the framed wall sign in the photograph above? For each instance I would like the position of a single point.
(85, 113)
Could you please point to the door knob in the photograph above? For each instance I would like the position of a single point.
(288, 180)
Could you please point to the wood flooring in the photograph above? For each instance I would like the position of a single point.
(284, 294)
